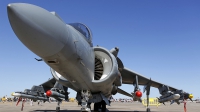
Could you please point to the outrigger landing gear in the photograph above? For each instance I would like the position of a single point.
(58, 106)
(148, 109)
(57, 109)
(147, 89)
(100, 106)
(84, 102)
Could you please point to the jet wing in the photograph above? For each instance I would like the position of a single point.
(48, 84)
(123, 92)
(128, 77)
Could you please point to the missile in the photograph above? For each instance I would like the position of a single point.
(188, 96)
(177, 101)
(137, 95)
(22, 95)
(191, 96)
(55, 94)
(169, 98)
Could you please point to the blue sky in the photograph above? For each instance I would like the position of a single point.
(158, 39)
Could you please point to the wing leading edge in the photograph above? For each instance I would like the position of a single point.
(128, 77)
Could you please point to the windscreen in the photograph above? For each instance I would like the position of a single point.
(83, 29)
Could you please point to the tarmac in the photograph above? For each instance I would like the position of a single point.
(115, 107)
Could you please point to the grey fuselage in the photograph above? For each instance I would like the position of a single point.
(65, 49)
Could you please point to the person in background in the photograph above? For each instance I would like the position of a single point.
(31, 102)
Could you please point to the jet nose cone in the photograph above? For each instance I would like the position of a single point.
(11, 10)
(36, 28)
(9, 7)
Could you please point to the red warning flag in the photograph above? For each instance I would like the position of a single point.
(18, 101)
(185, 109)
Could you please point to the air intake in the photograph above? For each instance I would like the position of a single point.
(98, 69)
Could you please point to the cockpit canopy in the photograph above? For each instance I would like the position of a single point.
(83, 29)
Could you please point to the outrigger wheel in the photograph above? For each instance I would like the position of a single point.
(57, 109)
(148, 110)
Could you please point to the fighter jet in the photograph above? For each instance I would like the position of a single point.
(95, 73)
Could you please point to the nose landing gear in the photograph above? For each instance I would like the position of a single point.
(84, 101)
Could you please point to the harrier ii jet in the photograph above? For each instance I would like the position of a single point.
(95, 73)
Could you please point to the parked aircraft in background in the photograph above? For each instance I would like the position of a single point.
(95, 73)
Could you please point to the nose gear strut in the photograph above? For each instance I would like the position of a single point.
(85, 94)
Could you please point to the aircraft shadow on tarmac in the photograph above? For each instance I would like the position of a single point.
(79, 111)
